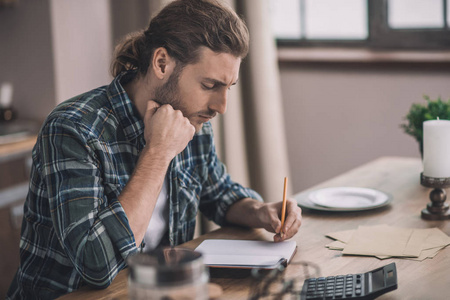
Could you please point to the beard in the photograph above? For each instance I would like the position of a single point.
(168, 93)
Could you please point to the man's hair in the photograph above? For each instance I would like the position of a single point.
(182, 27)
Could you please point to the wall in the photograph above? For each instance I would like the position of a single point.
(138, 13)
(82, 46)
(339, 116)
(26, 57)
(46, 51)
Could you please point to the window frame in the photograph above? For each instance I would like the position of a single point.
(381, 36)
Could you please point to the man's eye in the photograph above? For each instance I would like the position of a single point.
(207, 87)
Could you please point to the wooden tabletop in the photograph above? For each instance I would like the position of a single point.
(399, 177)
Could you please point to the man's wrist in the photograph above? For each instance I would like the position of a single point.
(156, 154)
(246, 212)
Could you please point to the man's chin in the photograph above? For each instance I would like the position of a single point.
(198, 127)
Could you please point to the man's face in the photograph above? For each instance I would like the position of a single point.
(200, 90)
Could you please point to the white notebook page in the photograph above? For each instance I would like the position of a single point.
(245, 253)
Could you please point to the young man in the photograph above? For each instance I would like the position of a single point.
(126, 167)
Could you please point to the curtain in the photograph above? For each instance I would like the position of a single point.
(263, 107)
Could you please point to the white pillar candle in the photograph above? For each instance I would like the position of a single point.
(436, 148)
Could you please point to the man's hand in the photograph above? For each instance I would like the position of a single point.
(166, 130)
(270, 215)
(252, 213)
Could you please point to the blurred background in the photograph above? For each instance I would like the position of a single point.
(324, 89)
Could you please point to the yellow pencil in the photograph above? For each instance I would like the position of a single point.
(283, 208)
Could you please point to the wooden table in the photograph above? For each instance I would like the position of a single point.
(429, 279)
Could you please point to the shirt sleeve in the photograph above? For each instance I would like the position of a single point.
(220, 191)
(91, 226)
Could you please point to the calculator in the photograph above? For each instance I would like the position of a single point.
(352, 286)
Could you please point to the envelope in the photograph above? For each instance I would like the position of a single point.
(385, 241)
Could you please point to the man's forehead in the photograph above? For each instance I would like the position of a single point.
(220, 67)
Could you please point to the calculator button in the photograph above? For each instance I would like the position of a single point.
(348, 293)
(358, 292)
(358, 286)
(319, 294)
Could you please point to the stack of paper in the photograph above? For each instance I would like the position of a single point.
(384, 241)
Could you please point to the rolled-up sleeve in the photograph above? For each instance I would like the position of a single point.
(89, 221)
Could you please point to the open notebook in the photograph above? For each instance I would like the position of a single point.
(246, 254)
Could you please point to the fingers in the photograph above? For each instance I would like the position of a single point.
(166, 129)
(292, 222)
(152, 107)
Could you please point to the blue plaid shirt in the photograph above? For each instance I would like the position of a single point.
(75, 231)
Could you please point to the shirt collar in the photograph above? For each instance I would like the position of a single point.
(123, 107)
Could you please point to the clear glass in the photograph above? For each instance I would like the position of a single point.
(197, 290)
(285, 18)
(282, 283)
(168, 273)
(336, 19)
(410, 14)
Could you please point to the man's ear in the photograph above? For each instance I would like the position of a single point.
(162, 64)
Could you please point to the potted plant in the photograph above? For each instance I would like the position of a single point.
(420, 112)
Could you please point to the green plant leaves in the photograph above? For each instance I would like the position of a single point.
(420, 113)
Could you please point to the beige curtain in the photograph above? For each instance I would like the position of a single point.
(250, 137)
(264, 125)
(254, 148)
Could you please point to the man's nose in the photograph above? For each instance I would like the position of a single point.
(219, 103)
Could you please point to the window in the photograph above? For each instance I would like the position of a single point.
(396, 24)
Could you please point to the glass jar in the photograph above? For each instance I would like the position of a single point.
(168, 273)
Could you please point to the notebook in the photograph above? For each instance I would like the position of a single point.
(245, 254)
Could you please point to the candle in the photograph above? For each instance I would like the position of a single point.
(436, 148)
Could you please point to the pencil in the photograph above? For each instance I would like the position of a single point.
(283, 207)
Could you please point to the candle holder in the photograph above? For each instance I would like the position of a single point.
(437, 209)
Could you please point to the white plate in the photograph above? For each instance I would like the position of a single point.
(343, 199)
(348, 197)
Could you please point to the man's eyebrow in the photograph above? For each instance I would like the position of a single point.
(218, 82)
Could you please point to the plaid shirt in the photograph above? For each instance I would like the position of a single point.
(75, 231)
